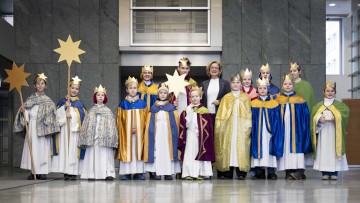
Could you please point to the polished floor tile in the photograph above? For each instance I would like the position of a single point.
(313, 189)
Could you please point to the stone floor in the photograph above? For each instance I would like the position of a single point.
(15, 188)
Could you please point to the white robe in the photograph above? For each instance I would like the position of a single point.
(41, 150)
(233, 150)
(67, 160)
(98, 161)
(267, 160)
(326, 159)
(192, 167)
(289, 160)
(162, 164)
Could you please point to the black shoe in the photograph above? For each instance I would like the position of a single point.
(206, 177)
(67, 177)
(272, 176)
(126, 177)
(139, 176)
(91, 179)
(42, 177)
(31, 177)
(303, 176)
(241, 177)
(73, 177)
(168, 177)
(109, 178)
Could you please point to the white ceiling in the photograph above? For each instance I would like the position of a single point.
(343, 7)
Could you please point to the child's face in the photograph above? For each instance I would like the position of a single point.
(263, 90)
(195, 98)
(100, 96)
(329, 93)
(40, 86)
(246, 81)
(163, 94)
(74, 90)
(295, 73)
(147, 75)
(184, 70)
(132, 89)
(265, 74)
(235, 85)
(288, 86)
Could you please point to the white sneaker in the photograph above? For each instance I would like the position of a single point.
(325, 177)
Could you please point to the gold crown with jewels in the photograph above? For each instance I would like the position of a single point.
(100, 89)
(262, 82)
(131, 80)
(246, 72)
(265, 67)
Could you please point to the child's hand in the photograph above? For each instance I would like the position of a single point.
(22, 108)
(322, 119)
(67, 104)
(176, 103)
(68, 114)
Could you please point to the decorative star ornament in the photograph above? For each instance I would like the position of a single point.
(176, 83)
(16, 77)
(76, 80)
(69, 51)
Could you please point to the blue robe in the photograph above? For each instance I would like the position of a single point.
(271, 111)
(169, 108)
(301, 122)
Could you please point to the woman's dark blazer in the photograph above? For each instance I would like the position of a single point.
(224, 88)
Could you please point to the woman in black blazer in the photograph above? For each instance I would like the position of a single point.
(218, 88)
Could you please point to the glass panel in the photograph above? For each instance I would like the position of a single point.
(170, 27)
(333, 58)
(4, 141)
(170, 3)
(4, 158)
(4, 127)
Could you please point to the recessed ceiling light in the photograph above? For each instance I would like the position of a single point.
(332, 4)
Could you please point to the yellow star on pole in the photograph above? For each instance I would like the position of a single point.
(69, 51)
(16, 77)
(176, 83)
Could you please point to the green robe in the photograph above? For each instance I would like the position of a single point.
(341, 114)
(305, 90)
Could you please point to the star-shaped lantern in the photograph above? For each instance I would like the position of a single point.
(17, 77)
(69, 51)
(176, 83)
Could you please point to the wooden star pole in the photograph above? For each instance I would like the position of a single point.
(69, 51)
(17, 78)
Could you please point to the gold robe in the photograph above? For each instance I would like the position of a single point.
(126, 120)
(223, 131)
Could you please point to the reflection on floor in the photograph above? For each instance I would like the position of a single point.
(313, 189)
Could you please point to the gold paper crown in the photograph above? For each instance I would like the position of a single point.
(163, 86)
(147, 68)
(288, 77)
(100, 89)
(130, 80)
(197, 88)
(265, 67)
(184, 61)
(330, 84)
(235, 77)
(246, 73)
(294, 65)
(262, 82)
(41, 76)
(75, 81)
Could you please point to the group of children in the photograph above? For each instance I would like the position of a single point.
(156, 132)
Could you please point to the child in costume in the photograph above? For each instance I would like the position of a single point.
(296, 121)
(131, 117)
(183, 100)
(161, 137)
(40, 112)
(196, 142)
(267, 132)
(66, 154)
(147, 88)
(232, 132)
(328, 133)
(246, 82)
(265, 72)
(100, 137)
